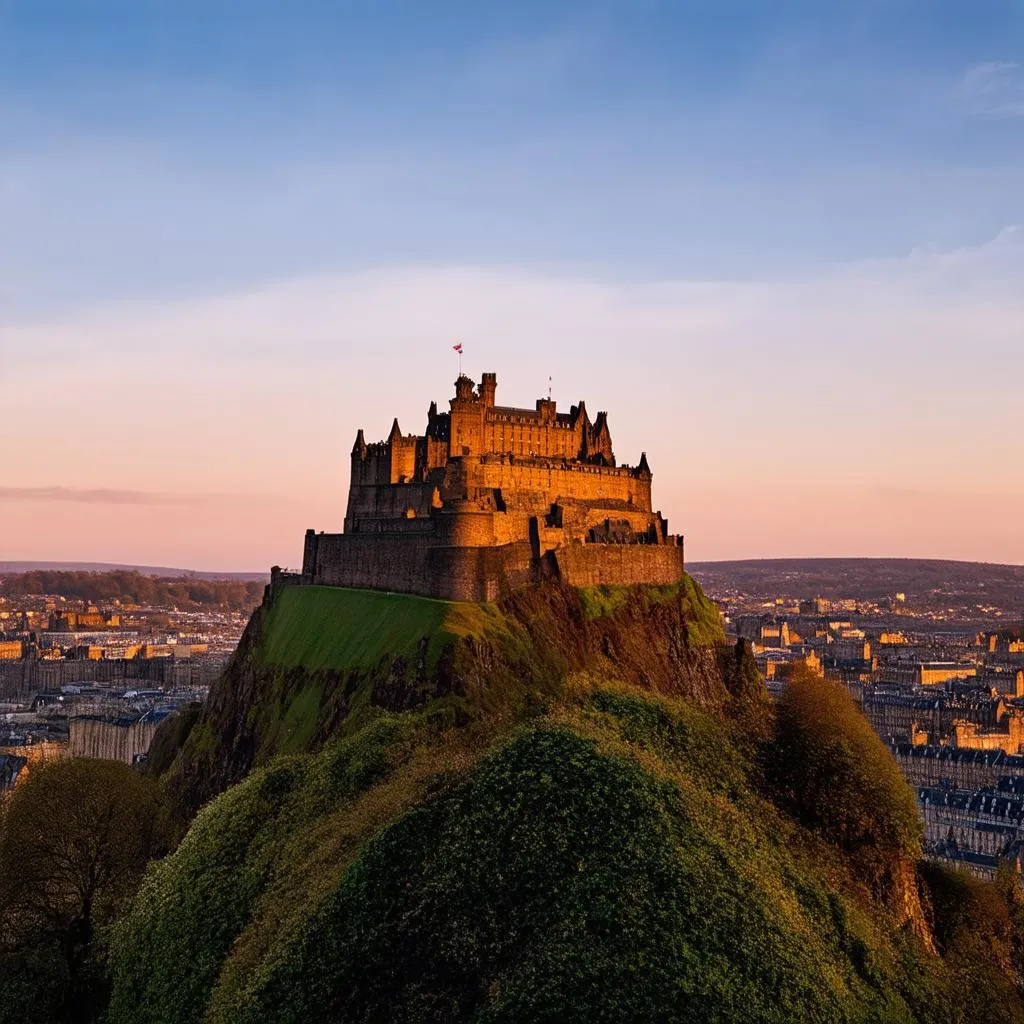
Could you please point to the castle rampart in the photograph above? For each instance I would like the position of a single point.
(491, 497)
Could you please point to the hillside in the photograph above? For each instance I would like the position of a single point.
(185, 592)
(316, 663)
(926, 582)
(144, 570)
(550, 809)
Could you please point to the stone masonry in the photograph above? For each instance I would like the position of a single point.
(492, 497)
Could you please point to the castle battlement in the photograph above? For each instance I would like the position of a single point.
(491, 497)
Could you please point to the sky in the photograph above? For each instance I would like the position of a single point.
(781, 244)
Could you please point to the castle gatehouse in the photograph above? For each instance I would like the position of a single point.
(492, 497)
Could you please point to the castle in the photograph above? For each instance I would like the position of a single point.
(491, 498)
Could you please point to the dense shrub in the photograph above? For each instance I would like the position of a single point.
(611, 867)
(977, 927)
(829, 767)
(195, 904)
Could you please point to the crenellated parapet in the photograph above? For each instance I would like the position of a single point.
(538, 488)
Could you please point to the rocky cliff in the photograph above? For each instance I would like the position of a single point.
(316, 663)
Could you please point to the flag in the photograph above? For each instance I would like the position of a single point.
(458, 348)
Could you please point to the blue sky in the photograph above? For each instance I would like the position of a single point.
(156, 148)
(156, 157)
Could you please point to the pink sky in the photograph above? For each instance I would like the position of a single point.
(872, 410)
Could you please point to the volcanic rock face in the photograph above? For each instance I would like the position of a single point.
(287, 690)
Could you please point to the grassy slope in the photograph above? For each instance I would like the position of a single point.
(318, 662)
(331, 627)
(336, 628)
(607, 859)
(580, 849)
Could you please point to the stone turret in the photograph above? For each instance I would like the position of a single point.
(488, 386)
(359, 448)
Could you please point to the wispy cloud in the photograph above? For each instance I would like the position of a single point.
(119, 496)
(913, 362)
(994, 88)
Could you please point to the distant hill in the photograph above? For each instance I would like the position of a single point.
(163, 571)
(183, 592)
(923, 580)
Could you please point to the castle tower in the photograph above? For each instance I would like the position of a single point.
(402, 455)
(467, 419)
(488, 386)
(359, 448)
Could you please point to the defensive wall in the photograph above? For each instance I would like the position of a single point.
(491, 497)
(416, 565)
(592, 565)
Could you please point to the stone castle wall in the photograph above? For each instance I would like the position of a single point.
(593, 565)
(533, 485)
(416, 565)
(588, 495)
(491, 497)
(373, 561)
(387, 501)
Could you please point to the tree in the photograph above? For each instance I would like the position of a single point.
(75, 838)
(830, 769)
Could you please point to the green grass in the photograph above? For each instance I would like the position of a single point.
(704, 627)
(606, 600)
(336, 628)
(609, 863)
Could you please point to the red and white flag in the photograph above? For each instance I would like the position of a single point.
(458, 348)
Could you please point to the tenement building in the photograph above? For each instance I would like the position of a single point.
(492, 497)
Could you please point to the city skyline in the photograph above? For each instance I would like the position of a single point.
(783, 252)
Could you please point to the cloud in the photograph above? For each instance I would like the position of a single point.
(994, 89)
(94, 496)
(819, 396)
(116, 496)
